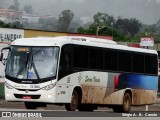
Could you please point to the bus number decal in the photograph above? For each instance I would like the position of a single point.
(63, 92)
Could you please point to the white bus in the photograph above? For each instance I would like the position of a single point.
(81, 73)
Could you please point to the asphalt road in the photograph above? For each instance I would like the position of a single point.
(59, 112)
(50, 107)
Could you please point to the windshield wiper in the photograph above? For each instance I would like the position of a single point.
(34, 67)
(23, 66)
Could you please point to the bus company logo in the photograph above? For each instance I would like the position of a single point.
(6, 114)
(27, 91)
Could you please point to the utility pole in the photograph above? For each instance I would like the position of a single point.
(112, 30)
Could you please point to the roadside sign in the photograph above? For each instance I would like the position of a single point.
(147, 41)
(9, 35)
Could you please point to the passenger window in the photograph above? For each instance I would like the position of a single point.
(111, 60)
(96, 59)
(80, 57)
(138, 63)
(64, 61)
(124, 61)
(150, 63)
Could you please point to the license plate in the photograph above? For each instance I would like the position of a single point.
(27, 97)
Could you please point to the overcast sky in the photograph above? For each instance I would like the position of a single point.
(147, 11)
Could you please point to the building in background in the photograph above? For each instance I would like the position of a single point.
(10, 15)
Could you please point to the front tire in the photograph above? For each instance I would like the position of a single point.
(74, 102)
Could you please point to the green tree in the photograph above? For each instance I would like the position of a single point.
(48, 23)
(128, 27)
(121, 29)
(64, 20)
(4, 25)
(10, 25)
(15, 6)
(16, 25)
(103, 19)
(28, 9)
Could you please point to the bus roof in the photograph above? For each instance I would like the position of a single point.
(78, 40)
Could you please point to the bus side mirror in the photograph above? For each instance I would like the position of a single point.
(3, 60)
(1, 57)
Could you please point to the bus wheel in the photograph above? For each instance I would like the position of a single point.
(74, 102)
(126, 106)
(126, 103)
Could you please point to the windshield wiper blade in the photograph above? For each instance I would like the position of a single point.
(23, 66)
(34, 67)
(36, 72)
(20, 70)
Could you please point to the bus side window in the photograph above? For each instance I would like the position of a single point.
(64, 61)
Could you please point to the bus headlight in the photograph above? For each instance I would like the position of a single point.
(8, 86)
(48, 87)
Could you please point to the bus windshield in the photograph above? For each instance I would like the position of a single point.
(32, 63)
